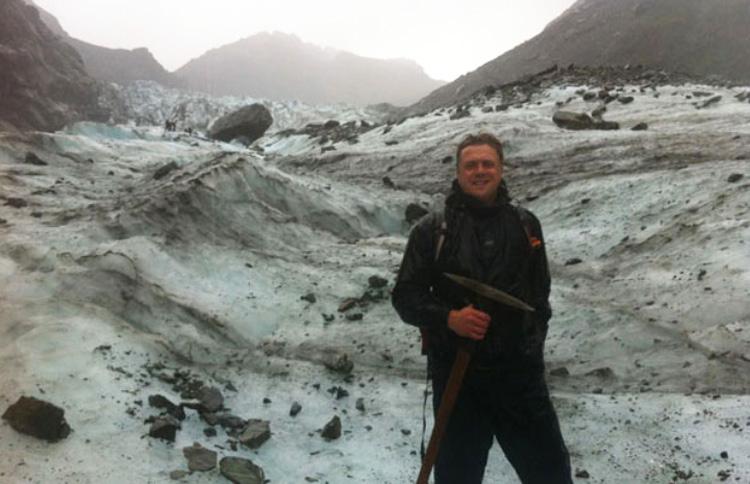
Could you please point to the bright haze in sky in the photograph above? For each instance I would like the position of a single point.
(447, 38)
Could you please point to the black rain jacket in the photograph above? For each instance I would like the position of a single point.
(423, 296)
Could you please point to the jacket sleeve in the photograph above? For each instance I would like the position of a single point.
(412, 295)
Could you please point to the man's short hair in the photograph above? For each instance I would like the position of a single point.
(480, 139)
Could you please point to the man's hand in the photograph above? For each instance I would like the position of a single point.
(469, 322)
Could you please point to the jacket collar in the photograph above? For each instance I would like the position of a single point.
(457, 199)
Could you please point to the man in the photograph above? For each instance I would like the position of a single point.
(482, 236)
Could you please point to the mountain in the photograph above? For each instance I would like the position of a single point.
(42, 79)
(698, 37)
(279, 66)
(121, 66)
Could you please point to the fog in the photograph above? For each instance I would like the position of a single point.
(435, 34)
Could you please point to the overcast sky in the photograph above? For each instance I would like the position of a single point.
(447, 38)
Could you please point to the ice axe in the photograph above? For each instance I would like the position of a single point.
(463, 357)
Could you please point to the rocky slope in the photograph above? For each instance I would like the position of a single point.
(42, 79)
(122, 66)
(279, 66)
(692, 36)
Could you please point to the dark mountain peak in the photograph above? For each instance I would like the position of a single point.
(43, 80)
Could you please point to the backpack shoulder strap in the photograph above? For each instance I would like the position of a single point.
(529, 226)
(442, 229)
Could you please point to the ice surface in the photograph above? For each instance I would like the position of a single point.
(204, 269)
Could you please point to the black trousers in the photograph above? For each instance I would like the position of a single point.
(512, 407)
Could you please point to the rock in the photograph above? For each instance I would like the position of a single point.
(360, 404)
(37, 418)
(573, 261)
(625, 99)
(735, 177)
(582, 474)
(339, 362)
(241, 471)
(562, 371)
(332, 429)
(604, 372)
(231, 422)
(199, 458)
(338, 391)
(295, 410)
(331, 124)
(414, 212)
(724, 455)
(598, 112)
(354, 316)
(164, 427)
(211, 399)
(347, 304)
(165, 170)
(163, 403)
(391, 142)
(570, 120)
(256, 433)
(709, 102)
(446, 160)
(488, 109)
(16, 202)
(177, 475)
(388, 183)
(33, 159)
(376, 282)
(640, 127)
(209, 432)
(249, 121)
(461, 112)
(581, 121)
(309, 297)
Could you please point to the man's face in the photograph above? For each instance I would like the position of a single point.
(479, 172)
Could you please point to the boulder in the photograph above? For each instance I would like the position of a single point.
(377, 282)
(241, 471)
(211, 399)
(37, 418)
(163, 403)
(339, 362)
(249, 123)
(295, 410)
(33, 159)
(165, 428)
(581, 121)
(256, 433)
(199, 458)
(332, 429)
